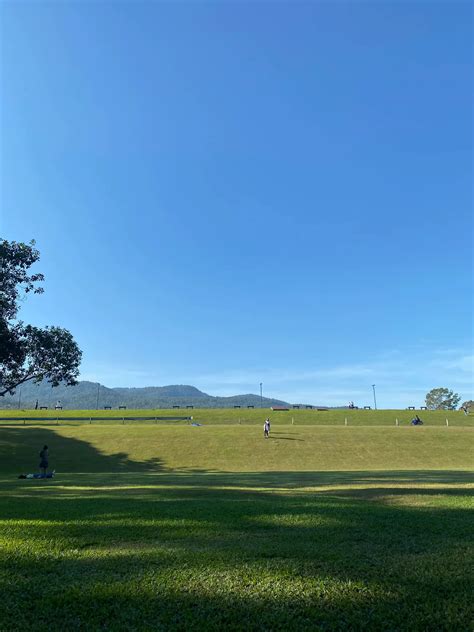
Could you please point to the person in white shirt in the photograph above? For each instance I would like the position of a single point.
(266, 428)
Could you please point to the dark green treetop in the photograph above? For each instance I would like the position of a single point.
(442, 399)
(28, 352)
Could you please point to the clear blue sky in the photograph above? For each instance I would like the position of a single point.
(228, 193)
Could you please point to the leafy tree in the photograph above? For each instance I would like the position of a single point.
(28, 352)
(442, 399)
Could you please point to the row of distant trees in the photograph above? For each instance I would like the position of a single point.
(51, 353)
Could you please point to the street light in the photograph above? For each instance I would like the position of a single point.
(98, 387)
(261, 395)
(375, 399)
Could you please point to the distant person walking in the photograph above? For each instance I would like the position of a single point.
(44, 461)
(58, 404)
(36, 405)
(269, 425)
(266, 429)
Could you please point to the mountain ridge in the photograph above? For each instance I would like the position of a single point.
(93, 395)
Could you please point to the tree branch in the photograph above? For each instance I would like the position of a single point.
(15, 386)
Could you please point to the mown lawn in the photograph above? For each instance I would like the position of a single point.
(245, 416)
(215, 528)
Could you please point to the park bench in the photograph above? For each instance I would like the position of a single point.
(189, 406)
(43, 408)
(122, 408)
(236, 406)
(367, 407)
(250, 406)
(107, 407)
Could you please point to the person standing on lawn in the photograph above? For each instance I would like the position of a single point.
(44, 461)
(266, 429)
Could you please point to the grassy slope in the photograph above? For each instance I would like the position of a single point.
(256, 416)
(215, 528)
(237, 448)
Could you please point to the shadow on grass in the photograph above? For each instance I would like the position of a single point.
(295, 480)
(19, 452)
(134, 546)
(277, 436)
(207, 557)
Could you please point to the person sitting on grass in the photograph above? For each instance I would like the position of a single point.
(48, 475)
(416, 421)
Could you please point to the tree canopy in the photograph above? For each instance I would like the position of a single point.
(28, 352)
(442, 399)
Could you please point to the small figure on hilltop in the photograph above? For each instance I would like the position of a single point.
(416, 421)
(44, 461)
(58, 405)
(266, 428)
(36, 405)
(351, 405)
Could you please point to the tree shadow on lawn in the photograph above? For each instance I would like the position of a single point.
(213, 558)
(132, 545)
(293, 480)
(20, 447)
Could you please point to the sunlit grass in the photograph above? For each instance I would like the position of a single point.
(218, 529)
(245, 416)
(236, 448)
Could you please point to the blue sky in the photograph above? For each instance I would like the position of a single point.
(229, 193)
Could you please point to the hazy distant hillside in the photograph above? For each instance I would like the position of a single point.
(86, 395)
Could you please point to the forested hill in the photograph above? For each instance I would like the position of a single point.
(84, 395)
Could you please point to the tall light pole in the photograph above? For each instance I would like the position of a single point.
(98, 387)
(375, 399)
(19, 400)
(261, 395)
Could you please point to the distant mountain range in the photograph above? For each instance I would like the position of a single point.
(84, 396)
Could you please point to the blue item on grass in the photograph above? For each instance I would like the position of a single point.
(30, 476)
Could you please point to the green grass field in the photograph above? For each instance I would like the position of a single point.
(174, 527)
(246, 416)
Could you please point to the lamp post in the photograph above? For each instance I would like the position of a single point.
(375, 399)
(19, 399)
(261, 395)
(98, 387)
